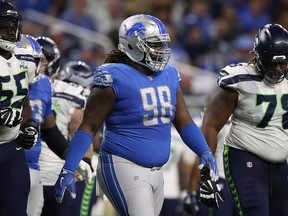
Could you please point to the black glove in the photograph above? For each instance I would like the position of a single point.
(88, 161)
(10, 117)
(29, 134)
(210, 191)
(190, 203)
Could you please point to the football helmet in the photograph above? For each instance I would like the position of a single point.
(271, 52)
(30, 43)
(144, 39)
(51, 53)
(77, 72)
(10, 26)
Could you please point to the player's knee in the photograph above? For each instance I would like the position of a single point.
(252, 194)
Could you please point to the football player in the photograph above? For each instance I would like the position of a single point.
(68, 101)
(138, 95)
(191, 200)
(255, 151)
(40, 93)
(16, 134)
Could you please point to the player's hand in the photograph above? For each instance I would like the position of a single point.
(190, 203)
(210, 192)
(207, 157)
(29, 134)
(65, 180)
(85, 169)
(10, 117)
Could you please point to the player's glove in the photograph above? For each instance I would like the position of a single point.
(207, 157)
(190, 203)
(10, 117)
(85, 169)
(210, 191)
(65, 180)
(29, 134)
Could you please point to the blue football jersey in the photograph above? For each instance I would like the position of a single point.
(40, 94)
(139, 126)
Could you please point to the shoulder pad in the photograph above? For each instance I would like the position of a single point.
(102, 78)
(234, 69)
(237, 73)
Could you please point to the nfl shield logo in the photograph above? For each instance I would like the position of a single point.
(249, 164)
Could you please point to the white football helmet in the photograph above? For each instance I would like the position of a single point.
(138, 34)
(30, 43)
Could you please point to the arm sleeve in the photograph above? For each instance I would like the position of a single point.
(79, 145)
(55, 140)
(194, 139)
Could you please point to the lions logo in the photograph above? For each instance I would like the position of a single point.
(137, 27)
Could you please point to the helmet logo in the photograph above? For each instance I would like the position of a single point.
(277, 58)
(137, 27)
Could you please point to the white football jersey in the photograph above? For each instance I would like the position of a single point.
(260, 120)
(16, 74)
(66, 98)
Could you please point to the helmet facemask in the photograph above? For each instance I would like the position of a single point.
(157, 51)
(275, 70)
(40, 68)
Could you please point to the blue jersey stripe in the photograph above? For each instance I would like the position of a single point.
(239, 78)
(160, 25)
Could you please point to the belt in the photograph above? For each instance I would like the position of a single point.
(152, 168)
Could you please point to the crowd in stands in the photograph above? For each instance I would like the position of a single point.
(205, 33)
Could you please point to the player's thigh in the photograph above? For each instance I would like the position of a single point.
(15, 180)
(247, 177)
(127, 186)
(35, 198)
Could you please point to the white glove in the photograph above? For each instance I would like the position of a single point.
(85, 171)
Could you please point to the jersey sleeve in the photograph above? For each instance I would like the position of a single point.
(102, 77)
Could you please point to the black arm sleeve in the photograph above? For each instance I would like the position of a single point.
(55, 140)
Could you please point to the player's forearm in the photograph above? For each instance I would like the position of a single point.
(210, 135)
(80, 143)
(55, 141)
(27, 111)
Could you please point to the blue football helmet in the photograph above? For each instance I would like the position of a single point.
(271, 52)
(77, 72)
(144, 39)
(10, 23)
(29, 42)
(51, 53)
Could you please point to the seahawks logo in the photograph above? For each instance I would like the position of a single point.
(137, 27)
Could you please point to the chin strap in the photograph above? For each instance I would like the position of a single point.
(7, 45)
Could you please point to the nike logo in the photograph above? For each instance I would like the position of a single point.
(18, 148)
